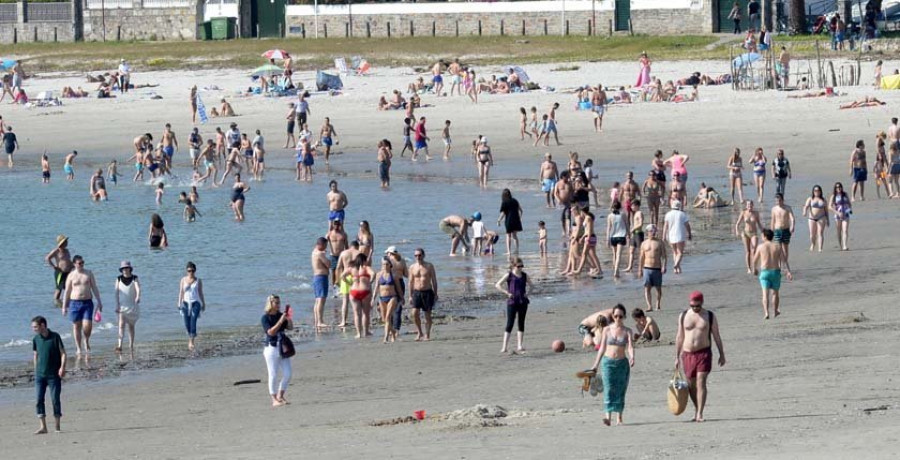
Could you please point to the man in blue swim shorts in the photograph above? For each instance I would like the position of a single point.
(78, 303)
(169, 144)
(337, 201)
(437, 79)
(768, 262)
(549, 177)
(321, 266)
(325, 135)
(859, 169)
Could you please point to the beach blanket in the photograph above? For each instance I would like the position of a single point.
(890, 82)
(201, 111)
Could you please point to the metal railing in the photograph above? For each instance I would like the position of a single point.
(107, 4)
(169, 3)
(8, 13)
(50, 12)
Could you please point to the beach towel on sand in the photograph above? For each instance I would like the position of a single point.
(890, 82)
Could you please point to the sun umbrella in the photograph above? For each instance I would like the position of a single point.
(520, 72)
(745, 59)
(6, 64)
(267, 71)
(276, 54)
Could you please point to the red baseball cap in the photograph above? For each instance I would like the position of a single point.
(697, 296)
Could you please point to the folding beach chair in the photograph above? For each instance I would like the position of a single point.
(341, 65)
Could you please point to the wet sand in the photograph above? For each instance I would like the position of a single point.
(815, 383)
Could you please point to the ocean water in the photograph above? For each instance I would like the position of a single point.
(242, 263)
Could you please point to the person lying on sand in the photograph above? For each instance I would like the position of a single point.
(693, 96)
(820, 93)
(68, 92)
(865, 102)
(621, 97)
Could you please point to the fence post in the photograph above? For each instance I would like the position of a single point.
(55, 35)
(119, 33)
(567, 27)
(325, 29)
(502, 32)
(457, 28)
(389, 29)
(590, 28)
(303, 30)
(630, 27)
(35, 34)
(523, 27)
(434, 28)
(545, 27)
(15, 35)
(479, 27)
(610, 27)
(412, 30)
(368, 30)
(346, 29)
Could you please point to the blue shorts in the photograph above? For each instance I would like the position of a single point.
(68, 169)
(327, 141)
(81, 310)
(437, 79)
(421, 144)
(547, 185)
(860, 174)
(320, 286)
(336, 215)
(770, 279)
(308, 160)
(334, 260)
(169, 151)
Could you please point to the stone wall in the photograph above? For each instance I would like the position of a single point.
(143, 24)
(501, 18)
(37, 32)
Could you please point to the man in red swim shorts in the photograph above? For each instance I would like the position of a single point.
(697, 328)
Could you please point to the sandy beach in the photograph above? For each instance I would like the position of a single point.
(817, 382)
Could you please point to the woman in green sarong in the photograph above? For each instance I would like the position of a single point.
(615, 357)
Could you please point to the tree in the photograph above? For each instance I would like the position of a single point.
(798, 16)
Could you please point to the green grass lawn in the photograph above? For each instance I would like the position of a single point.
(392, 52)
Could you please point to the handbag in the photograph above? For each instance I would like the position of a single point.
(677, 393)
(286, 346)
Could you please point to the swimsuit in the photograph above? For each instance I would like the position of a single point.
(237, 194)
(652, 277)
(782, 235)
(326, 140)
(68, 169)
(770, 279)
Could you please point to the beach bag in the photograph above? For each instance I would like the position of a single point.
(286, 346)
(677, 393)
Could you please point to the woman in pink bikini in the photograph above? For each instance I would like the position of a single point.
(677, 162)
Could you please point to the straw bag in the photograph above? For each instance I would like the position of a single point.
(677, 393)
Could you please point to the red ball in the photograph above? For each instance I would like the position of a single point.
(558, 346)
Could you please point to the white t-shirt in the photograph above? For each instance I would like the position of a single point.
(676, 221)
(477, 229)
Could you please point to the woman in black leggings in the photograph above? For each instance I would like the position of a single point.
(515, 284)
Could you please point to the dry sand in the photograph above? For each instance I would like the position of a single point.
(795, 387)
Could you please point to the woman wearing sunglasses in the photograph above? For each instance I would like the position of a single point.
(841, 207)
(515, 284)
(615, 357)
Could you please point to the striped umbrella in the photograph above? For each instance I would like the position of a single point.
(276, 54)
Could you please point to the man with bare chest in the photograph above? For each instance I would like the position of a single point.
(697, 328)
(78, 303)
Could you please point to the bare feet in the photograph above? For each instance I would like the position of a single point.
(42, 430)
(277, 403)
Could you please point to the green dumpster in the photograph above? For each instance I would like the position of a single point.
(223, 28)
(205, 31)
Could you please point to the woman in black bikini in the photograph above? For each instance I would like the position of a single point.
(485, 161)
(816, 211)
(157, 235)
(237, 197)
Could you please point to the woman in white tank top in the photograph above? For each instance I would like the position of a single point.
(191, 302)
(128, 299)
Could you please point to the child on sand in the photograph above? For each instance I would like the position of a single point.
(591, 327)
(160, 189)
(645, 328)
(445, 135)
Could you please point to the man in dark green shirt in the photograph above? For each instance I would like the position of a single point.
(49, 369)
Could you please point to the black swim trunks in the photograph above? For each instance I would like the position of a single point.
(423, 300)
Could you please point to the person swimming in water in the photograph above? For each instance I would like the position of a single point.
(157, 234)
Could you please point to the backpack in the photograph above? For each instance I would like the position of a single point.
(709, 319)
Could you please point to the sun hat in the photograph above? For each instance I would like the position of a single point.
(391, 250)
(61, 240)
(125, 264)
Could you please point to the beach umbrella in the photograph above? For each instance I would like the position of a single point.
(745, 59)
(267, 71)
(520, 72)
(6, 64)
(276, 54)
